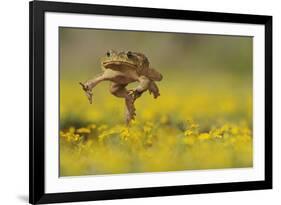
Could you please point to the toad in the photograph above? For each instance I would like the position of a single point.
(121, 69)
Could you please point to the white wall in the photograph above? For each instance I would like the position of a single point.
(14, 100)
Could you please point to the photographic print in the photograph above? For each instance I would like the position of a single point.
(129, 102)
(142, 101)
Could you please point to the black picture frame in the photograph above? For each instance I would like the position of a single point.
(37, 10)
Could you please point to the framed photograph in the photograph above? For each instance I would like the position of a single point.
(141, 102)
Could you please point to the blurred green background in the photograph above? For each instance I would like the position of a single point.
(81, 50)
(194, 65)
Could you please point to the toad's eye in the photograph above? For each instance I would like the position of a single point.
(108, 54)
(129, 54)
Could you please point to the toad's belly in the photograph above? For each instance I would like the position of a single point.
(121, 78)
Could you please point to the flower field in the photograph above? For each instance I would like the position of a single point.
(192, 125)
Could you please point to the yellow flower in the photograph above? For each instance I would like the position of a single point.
(92, 126)
(134, 122)
(235, 130)
(146, 128)
(83, 130)
(194, 126)
(101, 137)
(204, 136)
(149, 140)
(125, 134)
(71, 130)
(102, 127)
(76, 137)
(188, 132)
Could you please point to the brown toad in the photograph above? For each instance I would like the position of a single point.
(122, 68)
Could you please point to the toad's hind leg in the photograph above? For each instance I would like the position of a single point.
(142, 87)
(119, 90)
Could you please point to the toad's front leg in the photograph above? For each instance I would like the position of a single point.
(90, 84)
(142, 87)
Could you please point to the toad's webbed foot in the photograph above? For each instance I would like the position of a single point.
(90, 84)
(88, 92)
(153, 89)
(134, 94)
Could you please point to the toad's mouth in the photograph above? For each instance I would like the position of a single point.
(118, 64)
